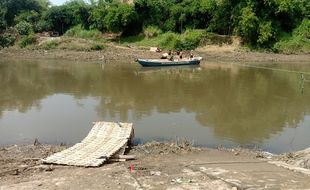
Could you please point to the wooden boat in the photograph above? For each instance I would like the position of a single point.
(167, 62)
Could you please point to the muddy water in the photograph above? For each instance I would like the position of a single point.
(212, 105)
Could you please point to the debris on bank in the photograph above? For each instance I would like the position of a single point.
(19, 160)
(299, 158)
(163, 148)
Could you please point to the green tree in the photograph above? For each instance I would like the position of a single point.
(248, 25)
(3, 23)
(58, 18)
(120, 18)
(96, 18)
(154, 12)
(15, 7)
(80, 12)
(266, 33)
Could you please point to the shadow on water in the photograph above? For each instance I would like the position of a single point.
(213, 104)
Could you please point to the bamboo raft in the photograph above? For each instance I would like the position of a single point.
(105, 140)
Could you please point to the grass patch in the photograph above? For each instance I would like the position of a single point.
(77, 44)
(97, 47)
(79, 32)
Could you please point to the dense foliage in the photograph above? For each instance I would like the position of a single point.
(269, 24)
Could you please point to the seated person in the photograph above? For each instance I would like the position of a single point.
(181, 54)
(164, 56)
(191, 55)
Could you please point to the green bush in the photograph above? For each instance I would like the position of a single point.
(7, 40)
(27, 40)
(191, 39)
(303, 30)
(298, 42)
(79, 32)
(96, 47)
(151, 31)
(169, 40)
(24, 28)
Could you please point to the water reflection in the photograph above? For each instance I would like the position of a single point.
(236, 105)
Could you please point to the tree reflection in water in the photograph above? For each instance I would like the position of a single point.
(243, 104)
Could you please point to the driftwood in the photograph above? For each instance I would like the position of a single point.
(126, 157)
(32, 159)
(122, 158)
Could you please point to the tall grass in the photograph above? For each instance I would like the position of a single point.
(79, 32)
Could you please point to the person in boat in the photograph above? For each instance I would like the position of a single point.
(181, 55)
(191, 55)
(164, 56)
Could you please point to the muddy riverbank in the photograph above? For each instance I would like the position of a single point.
(157, 165)
(114, 52)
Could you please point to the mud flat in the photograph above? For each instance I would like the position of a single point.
(157, 165)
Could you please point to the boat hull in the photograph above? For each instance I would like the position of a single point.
(160, 63)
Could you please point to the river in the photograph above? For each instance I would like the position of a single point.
(216, 104)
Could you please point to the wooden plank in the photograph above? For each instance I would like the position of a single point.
(103, 141)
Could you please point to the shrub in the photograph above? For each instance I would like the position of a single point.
(97, 47)
(7, 40)
(170, 40)
(151, 31)
(24, 28)
(303, 30)
(27, 40)
(79, 32)
(298, 42)
(190, 39)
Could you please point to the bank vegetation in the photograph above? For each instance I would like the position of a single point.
(275, 25)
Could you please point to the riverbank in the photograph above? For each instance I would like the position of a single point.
(157, 165)
(112, 52)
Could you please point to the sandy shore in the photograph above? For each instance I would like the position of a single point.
(121, 53)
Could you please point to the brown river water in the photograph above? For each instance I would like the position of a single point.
(215, 104)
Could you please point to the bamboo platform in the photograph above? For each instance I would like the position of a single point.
(105, 140)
